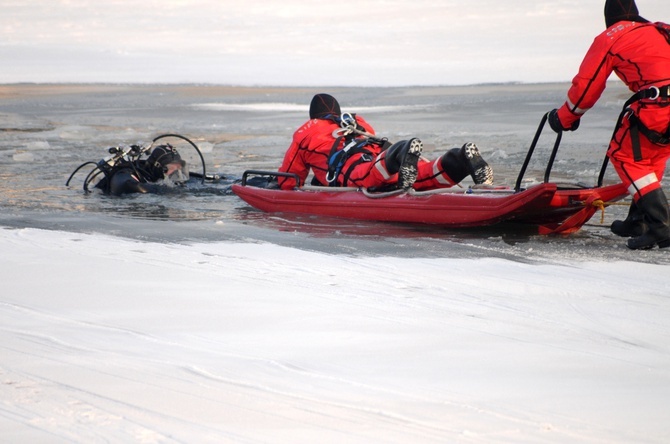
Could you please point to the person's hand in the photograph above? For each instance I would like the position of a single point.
(556, 124)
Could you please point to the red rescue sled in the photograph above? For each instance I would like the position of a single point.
(552, 207)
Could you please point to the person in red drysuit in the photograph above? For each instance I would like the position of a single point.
(639, 53)
(343, 150)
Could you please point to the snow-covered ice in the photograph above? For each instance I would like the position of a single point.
(105, 339)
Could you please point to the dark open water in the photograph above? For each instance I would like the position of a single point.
(46, 131)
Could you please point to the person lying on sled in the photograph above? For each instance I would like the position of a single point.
(639, 53)
(163, 166)
(342, 150)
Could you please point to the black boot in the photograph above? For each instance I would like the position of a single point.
(453, 164)
(403, 158)
(654, 206)
(634, 224)
(458, 163)
(480, 171)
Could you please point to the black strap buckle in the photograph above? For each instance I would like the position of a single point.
(656, 92)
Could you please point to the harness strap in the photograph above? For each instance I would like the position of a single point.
(336, 161)
(635, 137)
(333, 161)
(653, 136)
(653, 93)
(340, 158)
(362, 159)
(637, 127)
(350, 131)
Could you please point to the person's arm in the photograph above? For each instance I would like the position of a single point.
(588, 85)
(294, 162)
(124, 182)
(364, 125)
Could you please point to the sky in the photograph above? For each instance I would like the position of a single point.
(300, 42)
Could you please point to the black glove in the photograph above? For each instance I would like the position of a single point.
(556, 124)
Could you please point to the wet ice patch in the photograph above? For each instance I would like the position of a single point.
(38, 145)
(76, 132)
(205, 147)
(498, 154)
(23, 156)
(294, 107)
(16, 122)
(389, 109)
(251, 107)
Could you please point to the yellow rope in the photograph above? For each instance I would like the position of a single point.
(599, 204)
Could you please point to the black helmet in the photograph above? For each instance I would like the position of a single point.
(618, 10)
(160, 158)
(323, 105)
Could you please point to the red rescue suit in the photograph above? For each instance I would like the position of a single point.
(639, 54)
(312, 146)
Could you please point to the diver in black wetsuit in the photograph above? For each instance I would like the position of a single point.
(125, 172)
(143, 176)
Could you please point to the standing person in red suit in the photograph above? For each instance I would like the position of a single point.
(638, 52)
(343, 150)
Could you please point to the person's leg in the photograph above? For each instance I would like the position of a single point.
(454, 166)
(654, 206)
(396, 164)
(633, 225)
(649, 218)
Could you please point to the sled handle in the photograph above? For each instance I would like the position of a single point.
(248, 173)
(550, 164)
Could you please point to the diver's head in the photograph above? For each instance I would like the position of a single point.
(619, 10)
(323, 105)
(164, 162)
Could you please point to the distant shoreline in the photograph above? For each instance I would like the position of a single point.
(229, 85)
(10, 91)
